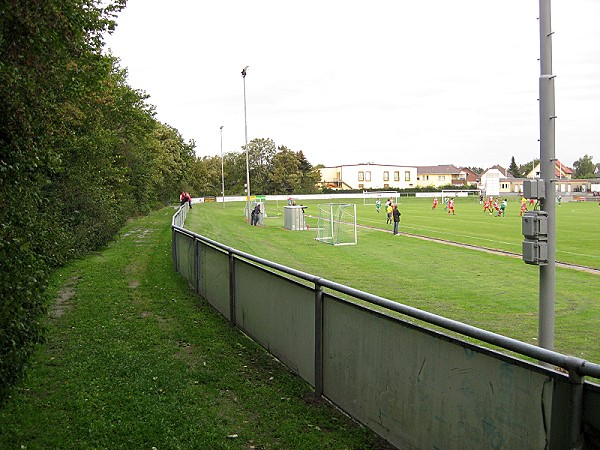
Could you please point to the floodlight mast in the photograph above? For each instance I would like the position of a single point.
(548, 175)
(222, 169)
(248, 213)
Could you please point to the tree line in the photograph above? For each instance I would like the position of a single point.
(584, 168)
(81, 152)
(273, 170)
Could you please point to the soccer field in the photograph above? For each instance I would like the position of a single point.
(497, 293)
(577, 225)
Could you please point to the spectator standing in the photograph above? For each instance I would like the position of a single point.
(255, 214)
(396, 213)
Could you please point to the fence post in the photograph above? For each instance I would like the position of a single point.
(231, 288)
(196, 265)
(576, 403)
(174, 248)
(318, 339)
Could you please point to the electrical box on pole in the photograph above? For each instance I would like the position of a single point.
(535, 230)
(534, 189)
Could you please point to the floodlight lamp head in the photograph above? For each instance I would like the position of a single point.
(244, 71)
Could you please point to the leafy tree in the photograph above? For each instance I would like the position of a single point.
(51, 74)
(80, 151)
(513, 169)
(206, 176)
(584, 167)
(477, 170)
(172, 162)
(528, 167)
(285, 176)
(260, 155)
(272, 171)
(235, 173)
(311, 176)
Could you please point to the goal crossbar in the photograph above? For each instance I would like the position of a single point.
(448, 193)
(370, 197)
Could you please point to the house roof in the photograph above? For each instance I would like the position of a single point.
(505, 173)
(565, 169)
(559, 169)
(364, 164)
(444, 169)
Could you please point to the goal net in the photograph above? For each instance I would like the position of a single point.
(337, 223)
(370, 197)
(451, 193)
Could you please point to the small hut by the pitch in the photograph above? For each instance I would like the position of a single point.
(293, 218)
(337, 223)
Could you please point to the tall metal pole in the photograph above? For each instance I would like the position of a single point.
(222, 169)
(248, 212)
(548, 174)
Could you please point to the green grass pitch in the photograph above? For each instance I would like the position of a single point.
(494, 292)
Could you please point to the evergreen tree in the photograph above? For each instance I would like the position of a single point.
(513, 169)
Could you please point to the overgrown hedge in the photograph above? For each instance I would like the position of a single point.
(80, 151)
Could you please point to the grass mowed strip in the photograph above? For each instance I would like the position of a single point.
(493, 292)
(577, 225)
(134, 359)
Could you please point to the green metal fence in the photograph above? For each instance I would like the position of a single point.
(416, 387)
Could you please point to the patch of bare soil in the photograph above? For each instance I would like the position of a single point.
(139, 234)
(63, 302)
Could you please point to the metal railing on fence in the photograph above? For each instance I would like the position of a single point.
(415, 386)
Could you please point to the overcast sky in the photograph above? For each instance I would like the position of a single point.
(391, 82)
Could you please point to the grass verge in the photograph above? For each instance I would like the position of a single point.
(134, 359)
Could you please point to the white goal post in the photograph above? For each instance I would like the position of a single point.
(370, 197)
(337, 223)
(447, 193)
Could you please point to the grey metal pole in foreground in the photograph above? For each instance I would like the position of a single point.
(222, 169)
(548, 174)
(248, 213)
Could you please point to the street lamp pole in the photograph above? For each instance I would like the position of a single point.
(247, 159)
(548, 175)
(222, 169)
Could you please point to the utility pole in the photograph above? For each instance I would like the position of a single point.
(248, 213)
(548, 175)
(222, 169)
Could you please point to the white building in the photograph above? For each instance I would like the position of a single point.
(369, 177)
